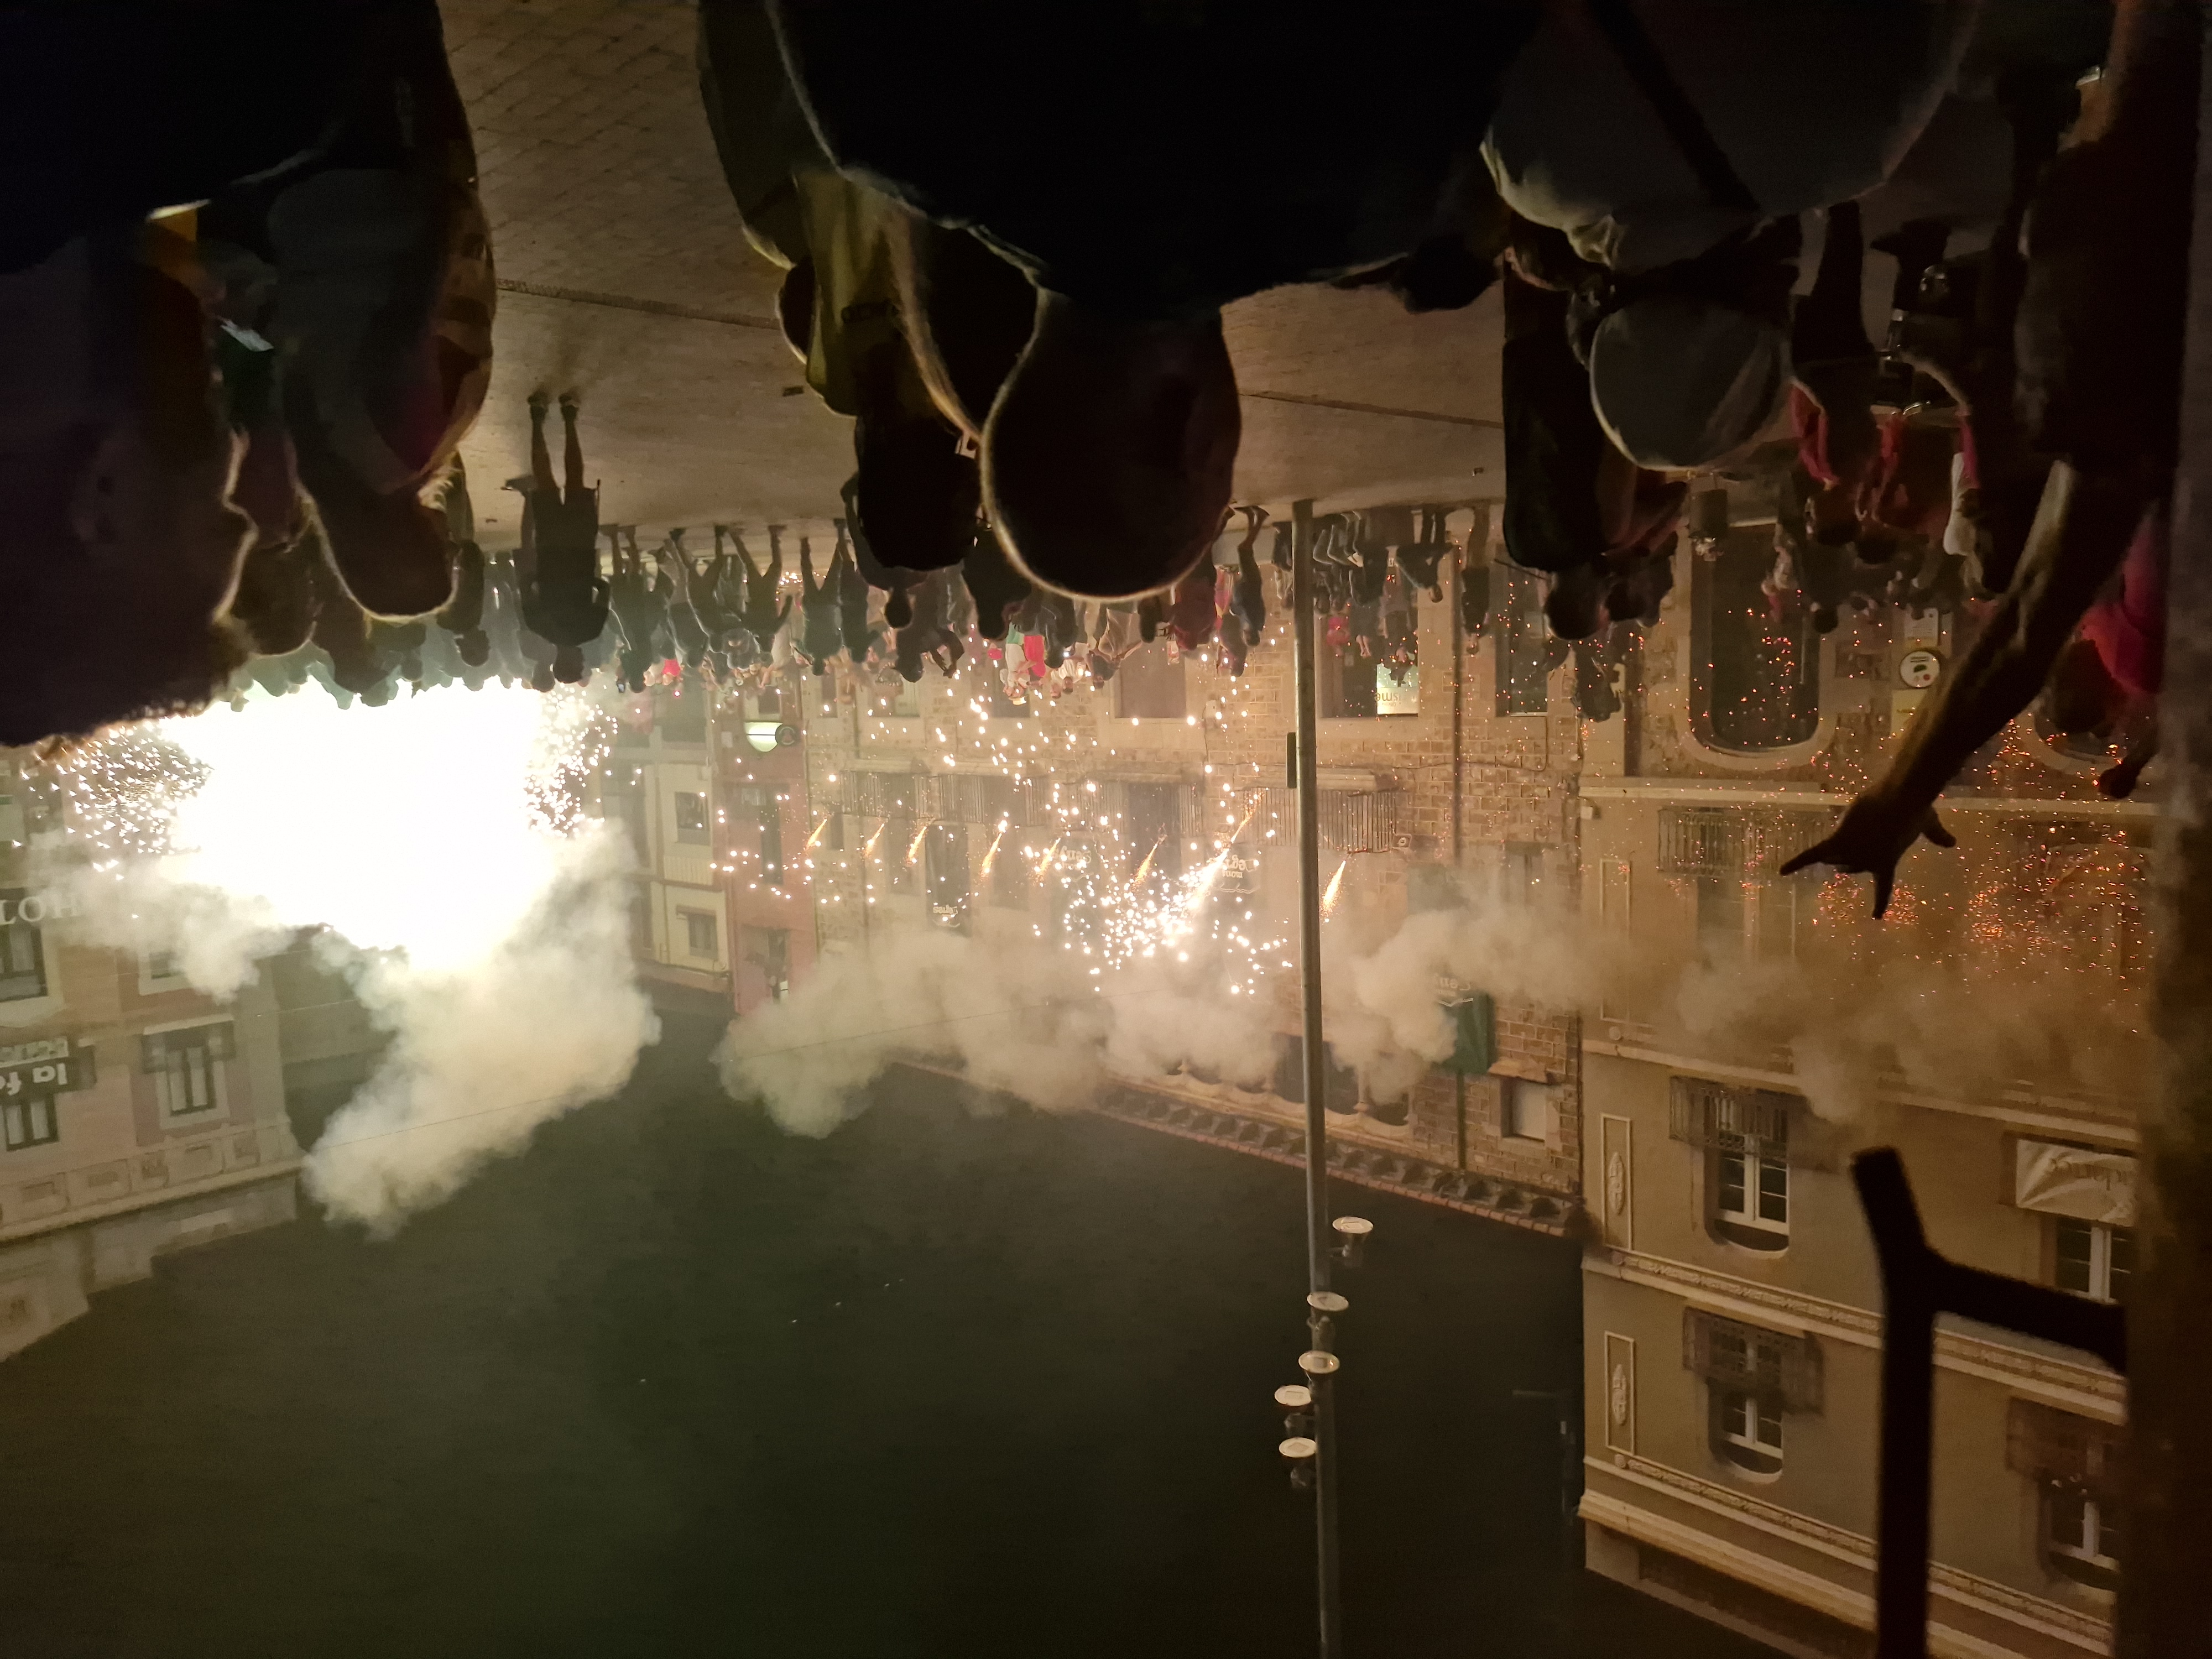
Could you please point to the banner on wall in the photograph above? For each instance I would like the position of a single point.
(2075, 1181)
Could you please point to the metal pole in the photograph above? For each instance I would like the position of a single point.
(1316, 1065)
(2162, 1593)
(1477, 531)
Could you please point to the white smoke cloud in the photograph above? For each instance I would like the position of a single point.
(1019, 1017)
(491, 944)
(1849, 1020)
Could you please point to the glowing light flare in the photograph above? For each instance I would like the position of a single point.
(436, 824)
(991, 857)
(1335, 886)
(1145, 868)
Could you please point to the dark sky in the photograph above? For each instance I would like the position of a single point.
(676, 1383)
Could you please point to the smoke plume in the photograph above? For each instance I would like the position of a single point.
(1857, 1014)
(481, 923)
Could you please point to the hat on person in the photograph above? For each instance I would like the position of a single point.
(1678, 381)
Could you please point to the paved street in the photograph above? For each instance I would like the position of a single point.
(625, 277)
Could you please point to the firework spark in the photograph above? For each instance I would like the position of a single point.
(1335, 886)
(1145, 868)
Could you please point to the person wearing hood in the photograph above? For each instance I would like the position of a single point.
(1671, 142)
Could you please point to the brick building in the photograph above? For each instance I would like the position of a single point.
(940, 804)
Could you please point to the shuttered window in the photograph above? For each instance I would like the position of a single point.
(1749, 1359)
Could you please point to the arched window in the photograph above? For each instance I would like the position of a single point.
(1755, 684)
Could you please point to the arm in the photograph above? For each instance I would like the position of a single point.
(2084, 534)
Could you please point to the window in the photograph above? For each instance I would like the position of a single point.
(160, 971)
(1346, 686)
(2082, 1536)
(768, 948)
(1521, 878)
(1747, 1429)
(186, 1066)
(899, 848)
(30, 1121)
(1524, 1110)
(679, 715)
(1148, 686)
(1757, 684)
(944, 871)
(1156, 831)
(23, 953)
(691, 817)
(1524, 657)
(1752, 1192)
(1754, 1376)
(700, 934)
(1746, 1133)
(1616, 887)
(1008, 872)
(2094, 1261)
(2074, 1461)
(760, 802)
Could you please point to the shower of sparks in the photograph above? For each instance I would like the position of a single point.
(432, 825)
(869, 851)
(118, 794)
(914, 849)
(820, 829)
(575, 736)
(991, 857)
(1044, 864)
(1335, 886)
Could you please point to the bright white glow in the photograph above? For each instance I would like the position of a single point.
(482, 921)
(407, 826)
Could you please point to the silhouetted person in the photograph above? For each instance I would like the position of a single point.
(383, 311)
(820, 632)
(564, 598)
(463, 615)
(761, 615)
(1109, 451)
(639, 609)
(993, 584)
(2100, 386)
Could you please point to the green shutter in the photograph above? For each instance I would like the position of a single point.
(1474, 1035)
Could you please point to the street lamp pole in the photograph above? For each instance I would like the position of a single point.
(1319, 1250)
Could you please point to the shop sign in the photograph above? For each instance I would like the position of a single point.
(2073, 1181)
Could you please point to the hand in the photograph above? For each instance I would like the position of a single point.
(1872, 837)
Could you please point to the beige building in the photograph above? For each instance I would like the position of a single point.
(137, 1116)
(1731, 1320)
(661, 788)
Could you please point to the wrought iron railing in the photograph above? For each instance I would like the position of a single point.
(1917, 1285)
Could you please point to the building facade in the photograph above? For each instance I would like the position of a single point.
(136, 1115)
(1732, 1327)
(1448, 758)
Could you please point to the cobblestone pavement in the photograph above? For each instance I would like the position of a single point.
(626, 278)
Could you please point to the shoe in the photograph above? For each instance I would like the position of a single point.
(570, 403)
(539, 402)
